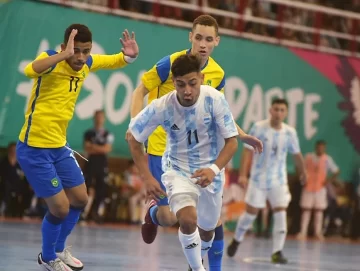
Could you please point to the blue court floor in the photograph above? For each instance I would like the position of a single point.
(112, 248)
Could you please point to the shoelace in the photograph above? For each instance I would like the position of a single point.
(57, 265)
(67, 252)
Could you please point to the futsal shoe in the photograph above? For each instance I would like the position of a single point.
(277, 257)
(70, 260)
(232, 248)
(55, 265)
(149, 228)
(189, 269)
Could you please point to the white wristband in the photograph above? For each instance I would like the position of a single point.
(215, 168)
(129, 59)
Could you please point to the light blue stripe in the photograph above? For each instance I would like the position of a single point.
(274, 152)
(192, 151)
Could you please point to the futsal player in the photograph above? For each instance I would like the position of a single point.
(268, 177)
(42, 150)
(201, 141)
(157, 82)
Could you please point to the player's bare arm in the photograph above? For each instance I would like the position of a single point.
(100, 149)
(245, 165)
(250, 140)
(153, 188)
(206, 175)
(300, 166)
(137, 100)
(41, 65)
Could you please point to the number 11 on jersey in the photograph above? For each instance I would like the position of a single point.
(189, 133)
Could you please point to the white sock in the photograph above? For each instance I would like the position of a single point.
(244, 223)
(191, 244)
(318, 222)
(305, 219)
(279, 231)
(205, 246)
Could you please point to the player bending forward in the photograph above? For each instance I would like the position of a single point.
(201, 141)
(268, 177)
(42, 150)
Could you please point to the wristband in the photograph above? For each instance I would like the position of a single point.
(215, 168)
(129, 59)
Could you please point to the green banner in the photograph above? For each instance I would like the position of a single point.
(256, 73)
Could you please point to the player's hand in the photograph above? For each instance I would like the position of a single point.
(70, 44)
(243, 181)
(153, 190)
(205, 176)
(253, 142)
(130, 46)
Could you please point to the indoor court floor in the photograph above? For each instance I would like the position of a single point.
(121, 248)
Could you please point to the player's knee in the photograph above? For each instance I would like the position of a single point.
(206, 235)
(60, 210)
(165, 216)
(187, 219)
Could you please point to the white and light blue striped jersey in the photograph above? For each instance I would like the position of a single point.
(195, 134)
(268, 169)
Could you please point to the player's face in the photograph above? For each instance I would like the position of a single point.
(278, 112)
(188, 87)
(99, 119)
(203, 39)
(81, 54)
(320, 149)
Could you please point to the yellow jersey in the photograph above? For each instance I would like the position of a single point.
(53, 97)
(158, 81)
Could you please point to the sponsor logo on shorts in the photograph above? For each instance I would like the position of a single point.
(55, 182)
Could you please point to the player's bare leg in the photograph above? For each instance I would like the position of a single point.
(78, 198)
(244, 223)
(305, 219)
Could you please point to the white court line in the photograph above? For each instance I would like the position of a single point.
(289, 266)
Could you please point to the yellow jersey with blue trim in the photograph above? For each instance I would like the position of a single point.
(158, 80)
(53, 97)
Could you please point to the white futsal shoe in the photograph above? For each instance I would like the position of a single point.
(74, 263)
(55, 265)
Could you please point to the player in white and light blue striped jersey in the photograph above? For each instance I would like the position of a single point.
(201, 140)
(268, 177)
(268, 170)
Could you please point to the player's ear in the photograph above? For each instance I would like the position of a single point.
(63, 46)
(202, 78)
(217, 40)
(190, 36)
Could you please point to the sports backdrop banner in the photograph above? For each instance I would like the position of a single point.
(322, 90)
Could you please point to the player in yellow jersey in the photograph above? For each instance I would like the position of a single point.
(42, 150)
(157, 82)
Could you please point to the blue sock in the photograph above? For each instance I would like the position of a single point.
(51, 227)
(67, 226)
(153, 212)
(215, 253)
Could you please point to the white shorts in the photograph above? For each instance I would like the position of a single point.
(278, 196)
(208, 203)
(314, 200)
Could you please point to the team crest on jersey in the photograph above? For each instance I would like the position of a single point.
(83, 74)
(207, 119)
(208, 82)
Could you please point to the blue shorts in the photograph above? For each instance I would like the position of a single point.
(49, 170)
(156, 170)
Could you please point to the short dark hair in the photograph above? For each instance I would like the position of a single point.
(280, 101)
(320, 142)
(83, 34)
(185, 64)
(206, 20)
